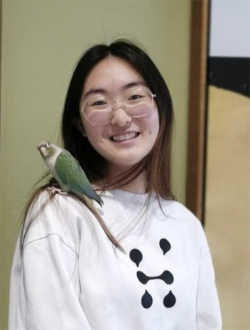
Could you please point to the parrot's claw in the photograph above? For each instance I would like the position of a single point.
(55, 190)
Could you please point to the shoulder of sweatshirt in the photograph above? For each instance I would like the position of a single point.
(174, 210)
(61, 216)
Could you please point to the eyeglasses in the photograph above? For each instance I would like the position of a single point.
(98, 109)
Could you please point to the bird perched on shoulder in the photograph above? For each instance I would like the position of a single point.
(67, 171)
(71, 178)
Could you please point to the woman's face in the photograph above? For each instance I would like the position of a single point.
(124, 141)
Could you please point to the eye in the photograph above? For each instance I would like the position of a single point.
(47, 145)
(98, 103)
(135, 97)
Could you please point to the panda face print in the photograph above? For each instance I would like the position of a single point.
(166, 276)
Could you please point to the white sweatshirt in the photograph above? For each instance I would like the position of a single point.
(71, 278)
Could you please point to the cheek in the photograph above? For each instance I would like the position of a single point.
(154, 130)
(94, 134)
(152, 125)
(89, 129)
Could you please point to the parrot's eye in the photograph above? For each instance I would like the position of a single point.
(47, 145)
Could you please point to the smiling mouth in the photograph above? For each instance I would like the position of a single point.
(124, 137)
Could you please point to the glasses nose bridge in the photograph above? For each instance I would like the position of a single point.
(117, 104)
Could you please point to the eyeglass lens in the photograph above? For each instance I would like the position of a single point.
(99, 109)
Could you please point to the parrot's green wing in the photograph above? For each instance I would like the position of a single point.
(72, 178)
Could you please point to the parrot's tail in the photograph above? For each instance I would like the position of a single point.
(93, 210)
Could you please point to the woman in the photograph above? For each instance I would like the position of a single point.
(117, 123)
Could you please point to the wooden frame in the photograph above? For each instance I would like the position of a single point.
(196, 148)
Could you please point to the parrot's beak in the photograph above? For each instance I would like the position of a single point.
(42, 144)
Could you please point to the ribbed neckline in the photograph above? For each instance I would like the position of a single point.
(124, 195)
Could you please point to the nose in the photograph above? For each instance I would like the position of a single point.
(120, 117)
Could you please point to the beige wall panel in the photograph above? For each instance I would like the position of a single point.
(41, 42)
(227, 202)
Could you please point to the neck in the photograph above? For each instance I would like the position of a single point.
(137, 185)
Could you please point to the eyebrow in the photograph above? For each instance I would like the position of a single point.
(94, 91)
(135, 84)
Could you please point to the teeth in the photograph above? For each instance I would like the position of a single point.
(124, 137)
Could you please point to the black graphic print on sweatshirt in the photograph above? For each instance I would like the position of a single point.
(147, 300)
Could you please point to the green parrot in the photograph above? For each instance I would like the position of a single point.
(71, 178)
(67, 171)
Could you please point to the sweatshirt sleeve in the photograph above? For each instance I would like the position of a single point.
(208, 307)
(44, 282)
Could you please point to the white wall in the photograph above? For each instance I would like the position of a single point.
(230, 28)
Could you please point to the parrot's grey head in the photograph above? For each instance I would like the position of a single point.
(47, 149)
(49, 153)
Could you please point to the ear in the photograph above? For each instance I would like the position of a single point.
(79, 126)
